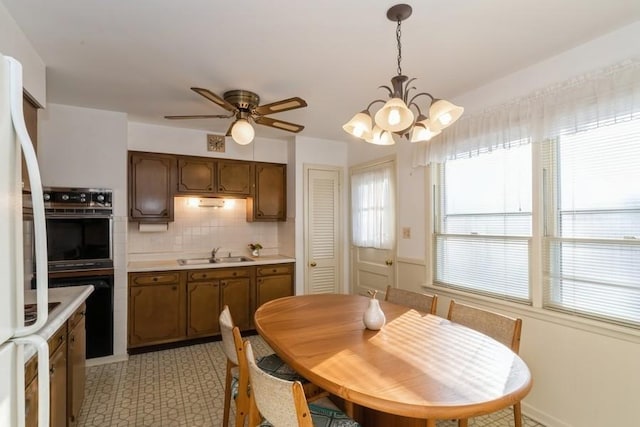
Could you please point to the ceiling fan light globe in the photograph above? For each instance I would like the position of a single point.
(394, 116)
(444, 113)
(242, 132)
(359, 126)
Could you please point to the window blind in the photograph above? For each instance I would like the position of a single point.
(483, 223)
(592, 223)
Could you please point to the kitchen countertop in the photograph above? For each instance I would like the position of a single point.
(70, 299)
(163, 265)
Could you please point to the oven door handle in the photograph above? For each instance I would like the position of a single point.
(37, 200)
(56, 215)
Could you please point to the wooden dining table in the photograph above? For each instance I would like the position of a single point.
(417, 367)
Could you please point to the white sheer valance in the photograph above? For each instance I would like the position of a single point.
(586, 102)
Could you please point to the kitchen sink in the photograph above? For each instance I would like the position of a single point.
(222, 260)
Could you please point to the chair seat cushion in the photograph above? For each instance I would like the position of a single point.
(325, 414)
(273, 365)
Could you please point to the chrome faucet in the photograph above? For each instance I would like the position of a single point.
(214, 251)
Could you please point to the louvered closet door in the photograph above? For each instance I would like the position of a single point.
(322, 237)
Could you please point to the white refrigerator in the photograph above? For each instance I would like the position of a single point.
(15, 337)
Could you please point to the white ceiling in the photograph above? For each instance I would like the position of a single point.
(141, 56)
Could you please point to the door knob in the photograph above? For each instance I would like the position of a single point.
(389, 262)
(313, 264)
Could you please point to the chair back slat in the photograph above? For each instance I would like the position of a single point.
(418, 301)
(503, 329)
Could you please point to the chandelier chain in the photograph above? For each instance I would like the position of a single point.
(398, 36)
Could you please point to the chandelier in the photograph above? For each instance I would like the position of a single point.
(396, 117)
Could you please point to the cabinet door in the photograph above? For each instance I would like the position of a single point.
(58, 386)
(196, 175)
(203, 308)
(269, 201)
(151, 178)
(31, 404)
(272, 287)
(236, 294)
(76, 375)
(234, 177)
(156, 314)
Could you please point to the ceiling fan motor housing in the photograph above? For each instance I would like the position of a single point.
(243, 99)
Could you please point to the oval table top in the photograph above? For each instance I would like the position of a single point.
(418, 365)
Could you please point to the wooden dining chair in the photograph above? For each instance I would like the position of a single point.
(236, 383)
(418, 301)
(503, 329)
(282, 403)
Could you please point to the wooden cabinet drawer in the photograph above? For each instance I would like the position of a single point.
(220, 273)
(31, 369)
(77, 316)
(57, 339)
(154, 278)
(267, 270)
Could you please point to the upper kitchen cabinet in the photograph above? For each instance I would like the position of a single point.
(269, 200)
(151, 184)
(234, 177)
(30, 111)
(196, 175)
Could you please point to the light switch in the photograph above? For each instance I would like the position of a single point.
(406, 232)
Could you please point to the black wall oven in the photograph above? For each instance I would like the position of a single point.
(80, 252)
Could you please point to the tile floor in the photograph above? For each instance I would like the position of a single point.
(183, 387)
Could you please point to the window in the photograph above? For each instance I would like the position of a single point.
(592, 223)
(373, 207)
(483, 226)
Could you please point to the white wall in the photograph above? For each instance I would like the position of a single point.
(166, 139)
(314, 151)
(14, 43)
(83, 147)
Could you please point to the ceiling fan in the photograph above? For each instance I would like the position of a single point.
(244, 105)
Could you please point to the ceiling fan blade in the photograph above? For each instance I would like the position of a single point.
(200, 116)
(280, 124)
(214, 98)
(277, 107)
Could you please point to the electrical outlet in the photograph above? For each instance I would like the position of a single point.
(406, 232)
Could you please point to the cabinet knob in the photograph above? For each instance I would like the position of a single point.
(313, 264)
(389, 262)
(274, 271)
(174, 288)
(52, 370)
(235, 273)
(155, 279)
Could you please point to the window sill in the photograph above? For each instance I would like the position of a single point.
(574, 322)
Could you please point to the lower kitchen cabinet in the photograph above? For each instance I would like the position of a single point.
(273, 281)
(210, 290)
(76, 364)
(174, 306)
(203, 299)
(58, 378)
(31, 393)
(67, 363)
(156, 308)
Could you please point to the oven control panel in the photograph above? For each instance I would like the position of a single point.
(58, 197)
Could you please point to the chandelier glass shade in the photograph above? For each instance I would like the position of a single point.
(396, 116)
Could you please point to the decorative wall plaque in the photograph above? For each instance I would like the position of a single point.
(215, 143)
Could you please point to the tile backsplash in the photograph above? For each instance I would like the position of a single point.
(197, 230)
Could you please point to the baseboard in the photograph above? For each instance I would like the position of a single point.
(542, 417)
(97, 361)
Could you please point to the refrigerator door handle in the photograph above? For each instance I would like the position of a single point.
(42, 349)
(39, 225)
